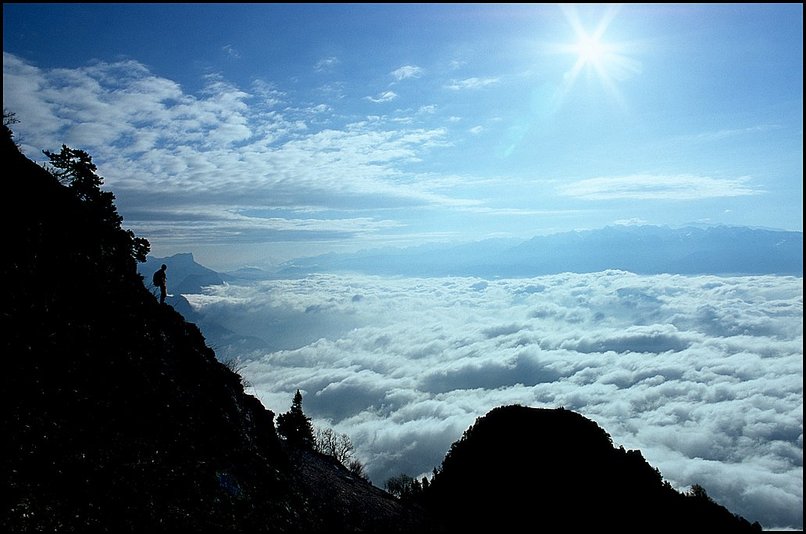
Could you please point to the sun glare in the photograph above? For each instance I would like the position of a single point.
(591, 50)
(605, 59)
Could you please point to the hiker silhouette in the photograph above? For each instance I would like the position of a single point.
(160, 280)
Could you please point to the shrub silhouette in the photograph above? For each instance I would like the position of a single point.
(295, 425)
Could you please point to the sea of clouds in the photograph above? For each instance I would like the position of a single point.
(702, 374)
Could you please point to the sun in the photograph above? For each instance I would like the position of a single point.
(590, 51)
(601, 58)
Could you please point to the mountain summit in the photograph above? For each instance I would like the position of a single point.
(117, 417)
(522, 469)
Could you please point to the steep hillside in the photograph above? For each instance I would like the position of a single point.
(116, 415)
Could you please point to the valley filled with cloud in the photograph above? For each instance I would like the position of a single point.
(702, 374)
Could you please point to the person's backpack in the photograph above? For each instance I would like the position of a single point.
(157, 278)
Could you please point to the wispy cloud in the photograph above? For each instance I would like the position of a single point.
(231, 52)
(658, 187)
(634, 221)
(326, 63)
(386, 96)
(269, 92)
(733, 132)
(471, 83)
(407, 71)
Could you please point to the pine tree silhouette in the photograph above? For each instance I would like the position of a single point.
(295, 425)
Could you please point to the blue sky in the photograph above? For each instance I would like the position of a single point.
(250, 134)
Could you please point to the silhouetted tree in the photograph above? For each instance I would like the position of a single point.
(405, 487)
(699, 492)
(399, 486)
(357, 468)
(295, 425)
(328, 442)
(75, 169)
(340, 447)
(9, 118)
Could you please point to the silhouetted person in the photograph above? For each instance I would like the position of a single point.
(159, 280)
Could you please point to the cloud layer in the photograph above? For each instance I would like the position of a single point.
(225, 164)
(231, 166)
(702, 374)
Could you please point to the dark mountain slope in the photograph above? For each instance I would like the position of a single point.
(521, 469)
(116, 415)
(340, 501)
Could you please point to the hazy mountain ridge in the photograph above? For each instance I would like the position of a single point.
(727, 250)
(646, 250)
(718, 250)
(184, 274)
(118, 417)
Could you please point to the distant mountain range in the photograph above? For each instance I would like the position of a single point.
(720, 250)
(184, 274)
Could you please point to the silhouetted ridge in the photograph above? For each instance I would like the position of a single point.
(532, 469)
(116, 414)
